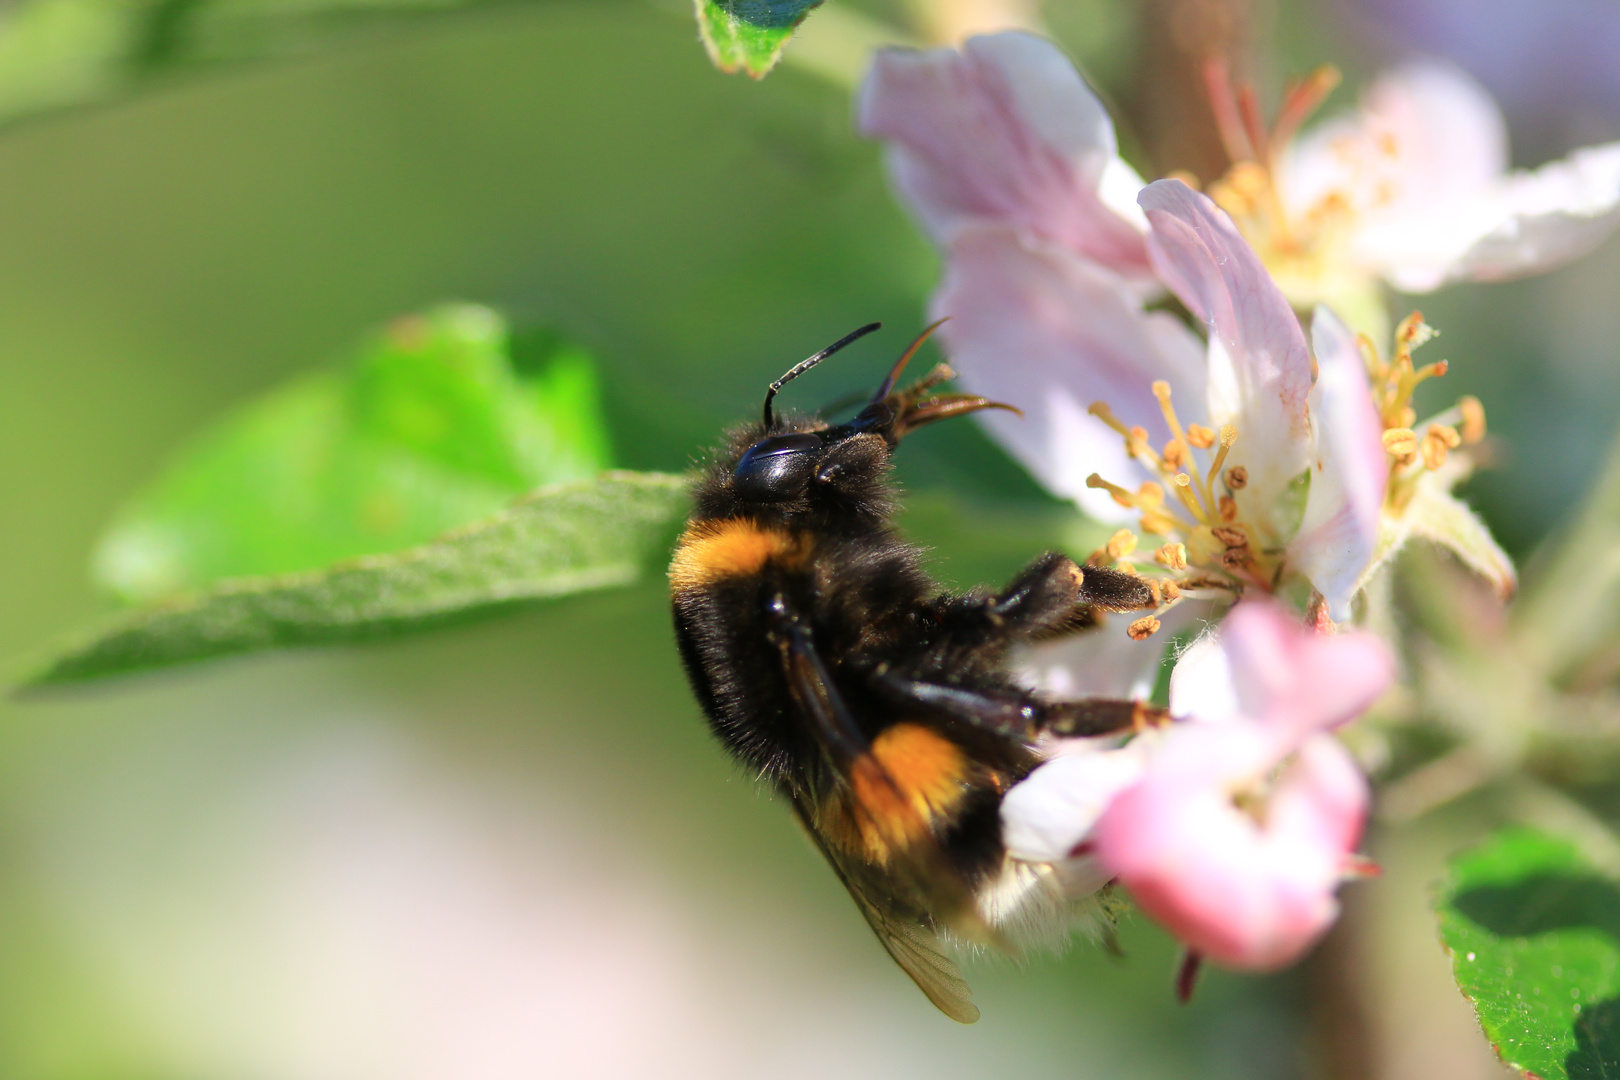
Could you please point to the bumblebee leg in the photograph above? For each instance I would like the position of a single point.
(1014, 715)
(1009, 714)
(1052, 597)
(812, 687)
(1098, 716)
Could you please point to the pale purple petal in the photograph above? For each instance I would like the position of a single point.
(1050, 332)
(1291, 678)
(1422, 167)
(1339, 533)
(1259, 368)
(1049, 814)
(1005, 130)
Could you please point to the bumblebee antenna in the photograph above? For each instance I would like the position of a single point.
(809, 362)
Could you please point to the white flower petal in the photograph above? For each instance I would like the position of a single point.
(1005, 130)
(1545, 218)
(1425, 134)
(1052, 811)
(1422, 168)
(1259, 368)
(1050, 332)
(1201, 686)
(1339, 533)
(1105, 662)
(1118, 189)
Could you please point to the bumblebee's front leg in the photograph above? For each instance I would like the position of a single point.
(1054, 595)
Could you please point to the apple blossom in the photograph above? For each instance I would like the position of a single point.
(1412, 188)
(1253, 466)
(1234, 824)
(1211, 452)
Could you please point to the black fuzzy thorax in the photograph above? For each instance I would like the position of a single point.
(871, 606)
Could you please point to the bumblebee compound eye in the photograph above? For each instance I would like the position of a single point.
(778, 468)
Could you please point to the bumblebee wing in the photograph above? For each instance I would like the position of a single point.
(915, 861)
(916, 949)
(919, 869)
(912, 945)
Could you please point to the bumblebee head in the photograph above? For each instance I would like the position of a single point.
(784, 460)
(778, 468)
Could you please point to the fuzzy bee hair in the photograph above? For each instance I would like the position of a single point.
(878, 704)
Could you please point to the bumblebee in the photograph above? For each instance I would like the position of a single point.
(879, 705)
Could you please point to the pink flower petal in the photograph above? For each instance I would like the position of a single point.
(1249, 886)
(1050, 332)
(1005, 130)
(1259, 368)
(1244, 894)
(1281, 674)
(1320, 801)
(1339, 533)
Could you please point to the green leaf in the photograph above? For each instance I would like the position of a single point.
(749, 35)
(438, 422)
(589, 534)
(1534, 936)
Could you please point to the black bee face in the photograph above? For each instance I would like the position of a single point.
(778, 468)
(784, 469)
(816, 469)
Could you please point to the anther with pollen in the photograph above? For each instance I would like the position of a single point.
(1121, 544)
(1193, 497)
(1143, 628)
(1172, 556)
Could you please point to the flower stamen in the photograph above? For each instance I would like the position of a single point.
(1101, 411)
(1202, 524)
(1400, 443)
(1393, 383)
(1143, 628)
(1121, 544)
(1172, 556)
(1473, 419)
(1228, 437)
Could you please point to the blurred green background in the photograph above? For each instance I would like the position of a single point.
(511, 850)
